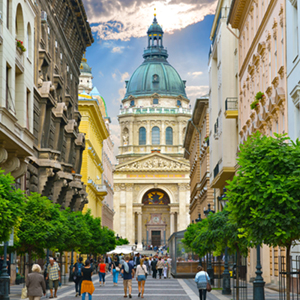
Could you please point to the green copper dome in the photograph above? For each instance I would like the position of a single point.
(155, 74)
(84, 67)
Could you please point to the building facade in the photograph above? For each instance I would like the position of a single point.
(104, 179)
(223, 109)
(95, 131)
(262, 68)
(196, 144)
(61, 35)
(151, 182)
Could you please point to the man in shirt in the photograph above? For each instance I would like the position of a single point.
(128, 273)
(53, 273)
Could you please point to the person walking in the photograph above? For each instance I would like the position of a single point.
(128, 273)
(102, 271)
(87, 286)
(35, 283)
(202, 279)
(141, 275)
(53, 274)
(160, 266)
(153, 267)
(169, 260)
(165, 268)
(115, 270)
(77, 276)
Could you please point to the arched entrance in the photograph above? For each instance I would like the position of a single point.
(156, 217)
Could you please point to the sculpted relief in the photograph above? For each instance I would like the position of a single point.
(155, 164)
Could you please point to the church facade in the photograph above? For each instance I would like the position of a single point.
(151, 182)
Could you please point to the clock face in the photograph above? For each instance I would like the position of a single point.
(155, 219)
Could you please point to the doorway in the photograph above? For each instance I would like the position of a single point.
(156, 238)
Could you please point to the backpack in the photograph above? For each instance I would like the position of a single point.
(78, 269)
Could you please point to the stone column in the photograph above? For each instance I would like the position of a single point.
(172, 222)
(129, 214)
(140, 231)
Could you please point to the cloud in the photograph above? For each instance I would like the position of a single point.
(125, 76)
(194, 92)
(195, 74)
(126, 19)
(101, 74)
(115, 133)
(114, 75)
(117, 50)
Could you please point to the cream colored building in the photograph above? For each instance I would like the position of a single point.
(151, 182)
(223, 108)
(16, 87)
(262, 68)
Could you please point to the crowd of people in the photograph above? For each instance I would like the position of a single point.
(128, 267)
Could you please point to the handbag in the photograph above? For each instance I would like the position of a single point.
(117, 268)
(24, 293)
(208, 286)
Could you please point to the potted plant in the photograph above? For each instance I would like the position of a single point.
(20, 45)
(258, 97)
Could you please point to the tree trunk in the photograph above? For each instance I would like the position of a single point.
(288, 275)
(29, 260)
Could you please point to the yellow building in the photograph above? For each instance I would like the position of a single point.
(93, 126)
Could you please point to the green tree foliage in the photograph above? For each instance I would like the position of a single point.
(108, 241)
(12, 202)
(264, 196)
(121, 242)
(42, 226)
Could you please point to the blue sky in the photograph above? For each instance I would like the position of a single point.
(119, 28)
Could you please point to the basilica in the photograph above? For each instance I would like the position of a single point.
(152, 191)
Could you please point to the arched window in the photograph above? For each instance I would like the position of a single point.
(142, 136)
(155, 136)
(178, 103)
(155, 101)
(169, 136)
(131, 103)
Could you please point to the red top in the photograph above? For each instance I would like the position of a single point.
(102, 268)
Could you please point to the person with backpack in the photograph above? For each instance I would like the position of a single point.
(128, 273)
(77, 275)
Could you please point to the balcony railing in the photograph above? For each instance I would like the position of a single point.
(155, 110)
(231, 104)
(100, 188)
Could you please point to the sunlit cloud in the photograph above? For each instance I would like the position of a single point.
(123, 20)
(117, 50)
(194, 92)
(195, 74)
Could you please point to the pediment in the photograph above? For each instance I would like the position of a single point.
(154, 162)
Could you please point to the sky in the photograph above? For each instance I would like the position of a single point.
(119, 28)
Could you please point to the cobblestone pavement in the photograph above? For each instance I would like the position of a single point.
(155, 289)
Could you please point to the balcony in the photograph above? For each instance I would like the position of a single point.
(231, 108)
(19, 59)
(99, 189)
(155, 110)
(221, 175)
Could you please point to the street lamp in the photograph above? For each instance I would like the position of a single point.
(210, 269)
(258, 283)
(197, 221)
(226, 275)
(4, 277)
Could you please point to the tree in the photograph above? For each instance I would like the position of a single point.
(42, 226)
(12, 202)
(108, 242)
(120, 242)
(264, 195)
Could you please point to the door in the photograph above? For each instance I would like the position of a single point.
(156, 238)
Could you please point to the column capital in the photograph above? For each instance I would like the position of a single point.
(172, 213)
(139, 213)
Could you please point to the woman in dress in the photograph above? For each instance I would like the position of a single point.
(87, 285)
(202, 279)
(115, 270)
(141, 273)
(35, 284)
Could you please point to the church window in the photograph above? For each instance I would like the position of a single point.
(142, 136)
(169, 136)
(178, 103)
(131, 103)
(155, 101)
(155, 78)
(155, 136)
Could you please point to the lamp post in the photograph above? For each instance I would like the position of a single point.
(197, 221)
(210, 269)
(71, 267)
(226, 275)
(4, 277)
(258, 283)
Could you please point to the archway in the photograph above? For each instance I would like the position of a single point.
(155, 218)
